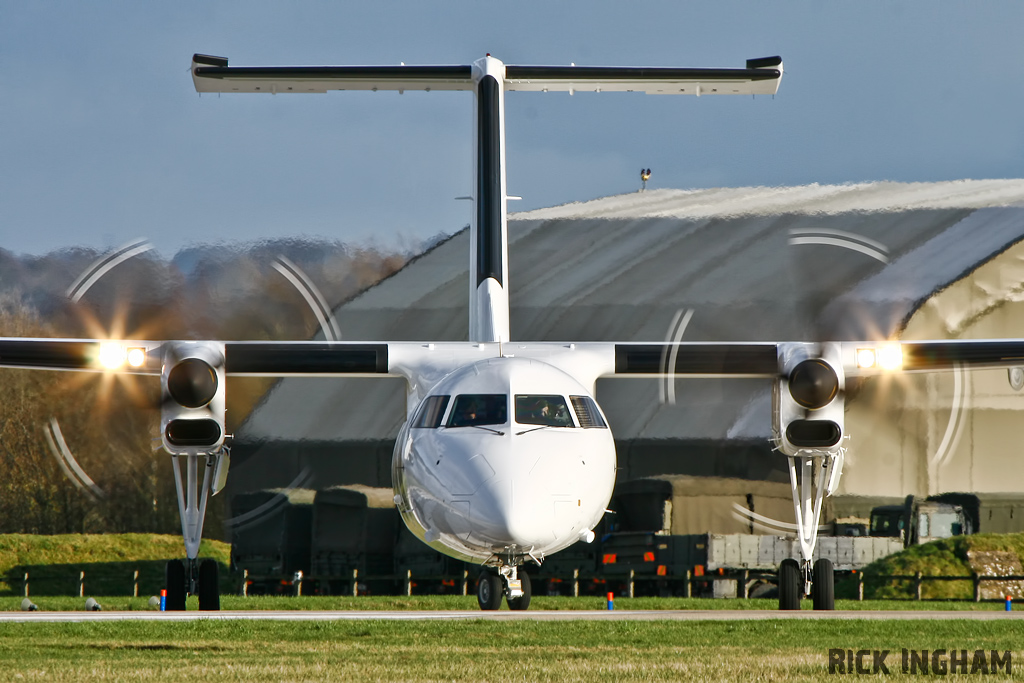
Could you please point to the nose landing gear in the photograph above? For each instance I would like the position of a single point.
(507, 583)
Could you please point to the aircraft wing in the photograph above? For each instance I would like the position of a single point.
(637, 359)
(710, 359)
(304, 358)
(696, 359)
(946, 355)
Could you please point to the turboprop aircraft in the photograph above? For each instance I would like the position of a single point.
(505, 456)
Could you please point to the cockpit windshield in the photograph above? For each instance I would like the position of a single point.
(542, 409)
(471, 410)
(431, 412)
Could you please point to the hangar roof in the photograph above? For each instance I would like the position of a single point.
(795, 263)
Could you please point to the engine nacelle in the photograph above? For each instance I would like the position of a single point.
(808, 402)
(192, 397)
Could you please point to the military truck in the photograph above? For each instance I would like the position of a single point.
(271, 537)
(355, 528)
(943, 515)
(666, 528)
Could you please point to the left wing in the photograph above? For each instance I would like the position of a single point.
(240, 358)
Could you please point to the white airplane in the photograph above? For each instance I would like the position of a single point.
(505, 457)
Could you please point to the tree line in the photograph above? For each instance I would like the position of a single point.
(110, 424)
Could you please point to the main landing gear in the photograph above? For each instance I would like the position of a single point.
(507, 582)
(796, 581)
(810, 577)
(192, 577)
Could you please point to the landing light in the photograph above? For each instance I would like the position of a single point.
(136, 357)
(866, 358)
(889, 357)
(112, 355)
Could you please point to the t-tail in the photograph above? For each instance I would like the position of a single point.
(489, 79)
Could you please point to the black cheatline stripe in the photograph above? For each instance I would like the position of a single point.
(944, 355)
(488, 174)
(305, 358)
(698, 359)
(396, 73)
(33, 353)
(102, 263)
(633, 73)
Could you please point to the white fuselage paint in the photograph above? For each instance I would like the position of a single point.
(488, 497)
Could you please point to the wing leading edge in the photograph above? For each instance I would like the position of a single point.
(602, 359)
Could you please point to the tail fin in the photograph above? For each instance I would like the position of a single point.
(488, 78)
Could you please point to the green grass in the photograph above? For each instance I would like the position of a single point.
(458, 602)
(109, 561)
(469, 651)
(947, 557)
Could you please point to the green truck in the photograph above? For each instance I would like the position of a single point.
(919, 520)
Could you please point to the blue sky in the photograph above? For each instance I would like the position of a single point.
(103, 138)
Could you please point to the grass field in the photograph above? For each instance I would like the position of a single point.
(458, 602)
(470, 651)
(109, 561)
(429, 651)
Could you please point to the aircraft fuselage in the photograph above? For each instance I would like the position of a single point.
(504, 459)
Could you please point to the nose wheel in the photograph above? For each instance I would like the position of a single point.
(508, 583)
(489, 590)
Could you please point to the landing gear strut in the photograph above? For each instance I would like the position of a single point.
(193, 577)
(797, 579)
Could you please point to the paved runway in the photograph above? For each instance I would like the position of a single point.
(538, 615)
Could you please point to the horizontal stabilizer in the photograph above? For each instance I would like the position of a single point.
(212, 74)
(760, 77)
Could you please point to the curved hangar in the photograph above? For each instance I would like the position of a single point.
(917, 261)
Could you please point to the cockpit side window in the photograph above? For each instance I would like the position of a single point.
(588, 413)
(431, 411)
(479, 409)
(542, 409)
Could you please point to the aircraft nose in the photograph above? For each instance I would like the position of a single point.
(511, 514)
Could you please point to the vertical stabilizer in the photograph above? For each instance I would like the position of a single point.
(488, 241)
(488, 78)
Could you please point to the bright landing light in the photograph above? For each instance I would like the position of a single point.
(889, 357)
(136, 357)
(866, 358)
(112, 355)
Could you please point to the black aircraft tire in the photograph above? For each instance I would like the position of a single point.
(175, 583)
(823, 590)
(489, 591)
(209, 586)
(789, 585)
(523, 602)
